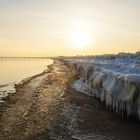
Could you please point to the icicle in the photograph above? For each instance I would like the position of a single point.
(116, 89)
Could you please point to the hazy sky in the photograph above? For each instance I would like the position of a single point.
(45, 27)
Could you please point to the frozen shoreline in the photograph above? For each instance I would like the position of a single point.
(47, 107)
(116, 81)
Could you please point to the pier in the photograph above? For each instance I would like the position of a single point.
(26, 57)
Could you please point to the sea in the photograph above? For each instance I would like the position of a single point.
(15, 70)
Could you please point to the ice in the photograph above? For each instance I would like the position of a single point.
(115, 80)
(5, 90)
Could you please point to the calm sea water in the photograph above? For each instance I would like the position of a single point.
(15, 70)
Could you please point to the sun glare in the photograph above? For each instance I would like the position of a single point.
(80, 39)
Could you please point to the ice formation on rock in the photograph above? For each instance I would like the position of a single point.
(115, 80)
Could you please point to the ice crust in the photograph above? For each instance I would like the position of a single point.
(116, 81)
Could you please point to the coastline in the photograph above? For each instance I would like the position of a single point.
(7, 100)
(10, 88)
(46, 107)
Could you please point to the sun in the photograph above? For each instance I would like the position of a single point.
(80, 38)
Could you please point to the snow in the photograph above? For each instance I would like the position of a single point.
(115, 80)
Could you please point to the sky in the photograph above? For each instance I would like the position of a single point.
(68, 27)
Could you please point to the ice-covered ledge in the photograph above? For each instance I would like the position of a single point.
(115, 80)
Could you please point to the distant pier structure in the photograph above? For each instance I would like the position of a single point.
(25, 57)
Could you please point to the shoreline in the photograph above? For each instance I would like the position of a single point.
(6, 101)
(47, 108)
(23, 81)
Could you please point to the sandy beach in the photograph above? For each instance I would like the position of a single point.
(45, 107)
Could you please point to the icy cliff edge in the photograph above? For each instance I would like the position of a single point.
(116, 81)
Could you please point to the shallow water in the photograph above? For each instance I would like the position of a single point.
(15, 70)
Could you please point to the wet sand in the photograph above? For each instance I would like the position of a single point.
(45, 107)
